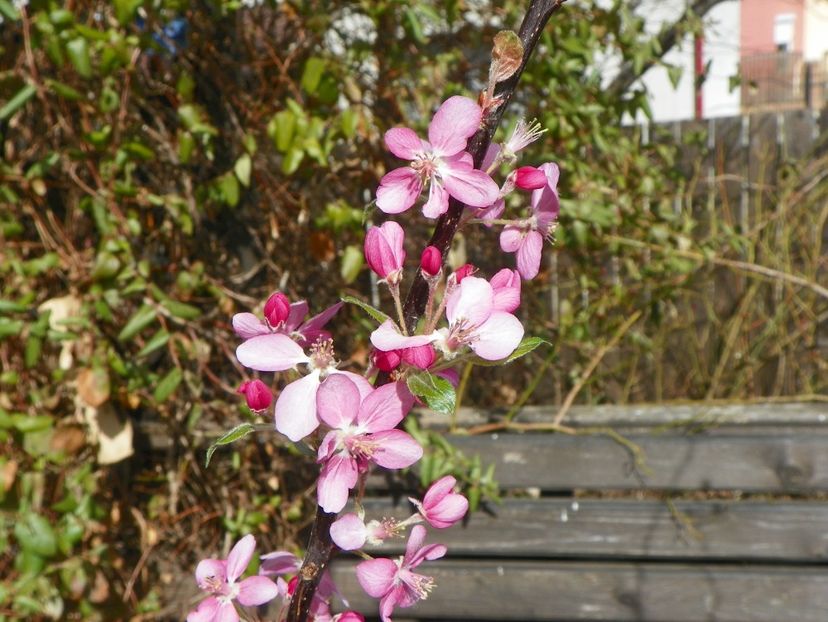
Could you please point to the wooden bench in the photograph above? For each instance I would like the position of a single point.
(697, 513)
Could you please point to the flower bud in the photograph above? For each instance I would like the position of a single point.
(257, 394)
(421, 357)
(530, 178)
(384, 251)
(386, 361)
(463, 271)
(506, 288)
(277, 309)
(431, 261)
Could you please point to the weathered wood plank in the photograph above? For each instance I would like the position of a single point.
(511, 590)
(619, 528)
(788, 461)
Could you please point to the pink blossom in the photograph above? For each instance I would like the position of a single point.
(526, 237)
(219, 578)
(474, 321)
(386, 361)
(522, 136)
(441, 506)
(295, 411)
(463, 271)
(442, 161)
(362, 432)
(350, 532)
(431, 261)
(394, 582)
(248, 326)
(421, 357)
(256, 393)
(530, 178)
(384, 251)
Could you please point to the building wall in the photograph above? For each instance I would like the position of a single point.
(758, 19)
(816, 30)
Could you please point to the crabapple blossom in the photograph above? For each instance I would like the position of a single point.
(386, 361)
(506, 288)
(529, 178)
(256, 393)
(442, 162)
(522, 136)
(248, 326)
(277, 309)
(441, 507)
(362, 432)
(526, 236)
(474, 321)
(394, 582)
(350, 532)
(219, 578)
(421, 357)
(295, 411)
(384, 251)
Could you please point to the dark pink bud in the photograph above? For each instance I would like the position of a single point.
(463, 271)
(431, 261)
(277, 309)
(386, 361)
(530, 178)
(349, 616)
(384, 250)
(421, 357)
(257, 394)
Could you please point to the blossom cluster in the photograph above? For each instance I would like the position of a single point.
(350, 423)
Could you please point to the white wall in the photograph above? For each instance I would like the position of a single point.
(816, 30)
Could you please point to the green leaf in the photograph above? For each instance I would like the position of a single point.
(17, 101)
(181, 310)
(64, 90)
(375, 313)
(312, 74)
(167, 385)
(239, 432)
(35, 535)
(8, 11)
(228, 186)
(281, 129)
(142, 318)
(78, 51)
(242, 169)
(438, 393)
(292, 160)
(10, 328)
(125, 9)
(158, 340)
(525, 347)
(352, 261)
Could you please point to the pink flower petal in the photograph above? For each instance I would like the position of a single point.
(247, 325)
(272, 352)
(240, 557)
(339, 475)
(506, 287)
(396, 596)
(455, 121)
(448, 511)
(279, 563)
(529, 255)
(254, 591)
(298, 311)
(546, 198)
(530, 178)
(438, 200)
(396, 449)
(363, 386)
(376, 576)
(384, 250)
(337, 401)
(349, 532)
(387, 338)
(210, 569)
(385, 407)
(206, 611)
(403, 143)
(438, 490)
(399, 190)
(498, 337)
(415, 543)
(295, 412)
(491, 153)
(471, 301)
(510, 239)
(226, 613)
(469, 185)
(428, 553)
(314, 325)
(492, 212)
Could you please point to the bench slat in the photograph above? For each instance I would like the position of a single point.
(513, 590)
(788, 461)
(619, 528)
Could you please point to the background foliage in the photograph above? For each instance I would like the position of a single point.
(167, 163)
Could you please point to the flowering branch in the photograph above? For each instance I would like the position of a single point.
(534, 21)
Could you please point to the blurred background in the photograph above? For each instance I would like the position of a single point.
(166, 164)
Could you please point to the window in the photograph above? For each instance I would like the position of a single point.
(783, 31)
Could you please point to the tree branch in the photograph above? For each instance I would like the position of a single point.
(320, 546)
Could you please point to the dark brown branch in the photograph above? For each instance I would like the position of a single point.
(320, 546)
(667, 40)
